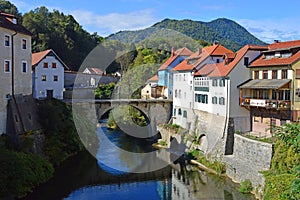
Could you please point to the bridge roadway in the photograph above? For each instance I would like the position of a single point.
(118, 101)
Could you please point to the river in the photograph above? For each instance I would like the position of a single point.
(84, 177)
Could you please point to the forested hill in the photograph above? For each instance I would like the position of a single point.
(225, 31)
(57, 31)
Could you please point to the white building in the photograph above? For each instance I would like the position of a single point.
(48, 75)
(183, 85)
(218, 85)
(15, 59)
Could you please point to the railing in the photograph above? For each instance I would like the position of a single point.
(266, 103)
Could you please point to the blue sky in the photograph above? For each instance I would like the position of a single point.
(267, 20)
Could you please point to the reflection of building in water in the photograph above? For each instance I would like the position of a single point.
(180, 186)
(164, 189)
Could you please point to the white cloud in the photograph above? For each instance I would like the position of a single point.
(269, 30)
(113, 22)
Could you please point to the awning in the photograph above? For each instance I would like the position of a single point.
(265, 84)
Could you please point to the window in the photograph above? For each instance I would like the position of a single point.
(44, 78)
(24, 44)
(222, 101)
(55, 78)
(185, 95)
(284, 74)
(214, 100)
(179, 111)
(174, 114)
(179, 95)
(274, 74)
(184, 114)
(7, 66)
(256, 74)
(184, 78)
(6, 40)
(45, 65)
(222, 82)
(214, 82)
(24, 67)
(218, 60)
(246, 61)
(175, 93)
(265, 74)
(54, 65)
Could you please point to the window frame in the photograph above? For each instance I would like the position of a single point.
(265, 74)
(26, 68)
(284, 74)
(44, 78)
(45, 65)
(7, 42)
(55, 79)
(54, 65)
(9, 66)
(24, 44)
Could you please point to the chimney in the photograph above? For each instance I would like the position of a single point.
(199, 51)
(216, 42)
(172, 52)
(276, 41)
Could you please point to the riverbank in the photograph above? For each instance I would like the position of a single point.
(22, 168)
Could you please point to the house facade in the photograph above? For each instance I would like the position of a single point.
(184, 84)
(15, 59)
(48, 75)
(272, 94)
(152, 90)
(165, 73)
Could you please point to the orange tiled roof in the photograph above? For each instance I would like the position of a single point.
(180, 52)
(214, 50)
(222, 70)
(166, 64)
(205, 70)
(37, 57)
(183, 52)
(276, 61)
(153, 79)
(284, 45)
(184, 66)
(196, 55)
(261, 61)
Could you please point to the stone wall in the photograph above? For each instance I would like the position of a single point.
(248, 159)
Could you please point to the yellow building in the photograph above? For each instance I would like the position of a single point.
(272, 95)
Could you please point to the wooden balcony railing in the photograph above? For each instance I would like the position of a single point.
(266, 103)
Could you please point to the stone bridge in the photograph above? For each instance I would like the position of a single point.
(156, 111)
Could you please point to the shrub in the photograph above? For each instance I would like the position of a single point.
(20, 172)
(246, 187)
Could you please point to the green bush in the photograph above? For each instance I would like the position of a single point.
(246, 187)
(20, 172)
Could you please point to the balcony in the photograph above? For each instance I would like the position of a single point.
(266, 103)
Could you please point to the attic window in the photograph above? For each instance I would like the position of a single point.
(277, 54)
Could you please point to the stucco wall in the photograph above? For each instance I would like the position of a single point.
(22, 80)
(41, 87)
(248, 159)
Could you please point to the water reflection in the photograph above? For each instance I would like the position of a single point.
(83, 177)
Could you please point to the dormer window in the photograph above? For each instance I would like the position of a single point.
(277, 54)
(246, 61)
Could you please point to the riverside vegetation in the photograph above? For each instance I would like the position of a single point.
(21, 170)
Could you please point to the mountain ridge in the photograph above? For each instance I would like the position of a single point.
(222, 30)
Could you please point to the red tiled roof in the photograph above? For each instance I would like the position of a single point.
(229, 55)
(215, 50)
(284, 45)
(184, 66)
(166, 64)
(153, 79)
(196, 55)
(95, 70)
(205, 70)
(277, 61)
(261, 61)
(180, 52)
(37, 57)
(223, 70)
(183, 52)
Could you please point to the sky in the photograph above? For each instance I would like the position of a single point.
(268, 20)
